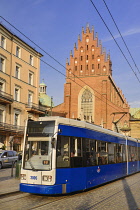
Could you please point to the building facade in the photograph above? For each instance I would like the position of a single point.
(90, 93)
(19, 87)
(135, 122)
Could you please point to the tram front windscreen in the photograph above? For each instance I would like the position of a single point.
(38, 149)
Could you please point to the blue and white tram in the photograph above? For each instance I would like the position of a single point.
(63, 155)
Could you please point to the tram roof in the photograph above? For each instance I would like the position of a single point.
(83, 124)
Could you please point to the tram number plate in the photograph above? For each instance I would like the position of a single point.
(33, 177)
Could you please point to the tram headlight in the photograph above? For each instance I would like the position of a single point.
(23, 176)
(47, 178)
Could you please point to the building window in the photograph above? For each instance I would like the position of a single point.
(81, 67)
(92, 69)
(1, 86)
(3, 42)
(86, 67)
(17, 94)
(16, 119)
(30, 78)
(87, 57)
(98, 66)
(87, 47)
(81, 58)
(98, 59)
(69, 71)
(1, 115)
(75, 68)
(18, 52)
(2, 64)
(17, 72)
(104, 70)
(31, 60)
(30, 98)
(87, 105)
(92, 57)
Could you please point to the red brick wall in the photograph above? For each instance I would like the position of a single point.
(89, 68)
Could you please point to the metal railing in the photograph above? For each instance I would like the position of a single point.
(36, 107)
(6, 96)
(11, 128)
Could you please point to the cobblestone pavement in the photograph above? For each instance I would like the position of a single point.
(8, 183)
(123, 194)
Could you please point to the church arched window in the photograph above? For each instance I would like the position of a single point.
(87, 105)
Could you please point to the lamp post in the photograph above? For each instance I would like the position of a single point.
(125, 130)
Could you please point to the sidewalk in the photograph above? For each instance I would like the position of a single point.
(8, 184)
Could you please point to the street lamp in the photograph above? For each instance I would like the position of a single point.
(125, 129)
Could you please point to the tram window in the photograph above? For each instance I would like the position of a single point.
(132, 153)
(111, 153)
(118, 153)
(76, 152)
(90, 152)
(139, 153)
(38, 155)
(124, 153)
(62, 154)
(102, 154)
(76, 147)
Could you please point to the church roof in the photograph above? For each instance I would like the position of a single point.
(42, 84)
(45, 100)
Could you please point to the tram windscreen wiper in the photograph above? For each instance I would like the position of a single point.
(32, 165)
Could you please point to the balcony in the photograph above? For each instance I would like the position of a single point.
(35, 108)
(12, 129)
(5, 98)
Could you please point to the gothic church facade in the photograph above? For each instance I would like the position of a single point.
(90, 93)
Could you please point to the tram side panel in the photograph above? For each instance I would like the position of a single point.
(101, 174)
(133, 162)
(71, 179)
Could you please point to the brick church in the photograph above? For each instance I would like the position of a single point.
(90, 93)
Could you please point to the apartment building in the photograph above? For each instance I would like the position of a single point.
(19, 87)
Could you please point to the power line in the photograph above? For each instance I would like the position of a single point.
(32, 41)
(81, 86)
(62, 66)
(115, 40)
(121, 36)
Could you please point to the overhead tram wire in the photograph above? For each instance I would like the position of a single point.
(114, 40)
(121, 36)
(31, 41)
(60, 65)
(117, 109)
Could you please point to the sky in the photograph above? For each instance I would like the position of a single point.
(55, 25)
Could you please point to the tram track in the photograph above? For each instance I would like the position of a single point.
(10, 196)
(33, 201)
(97, 204)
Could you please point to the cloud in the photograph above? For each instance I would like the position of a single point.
(134, 104)
(129, 32)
